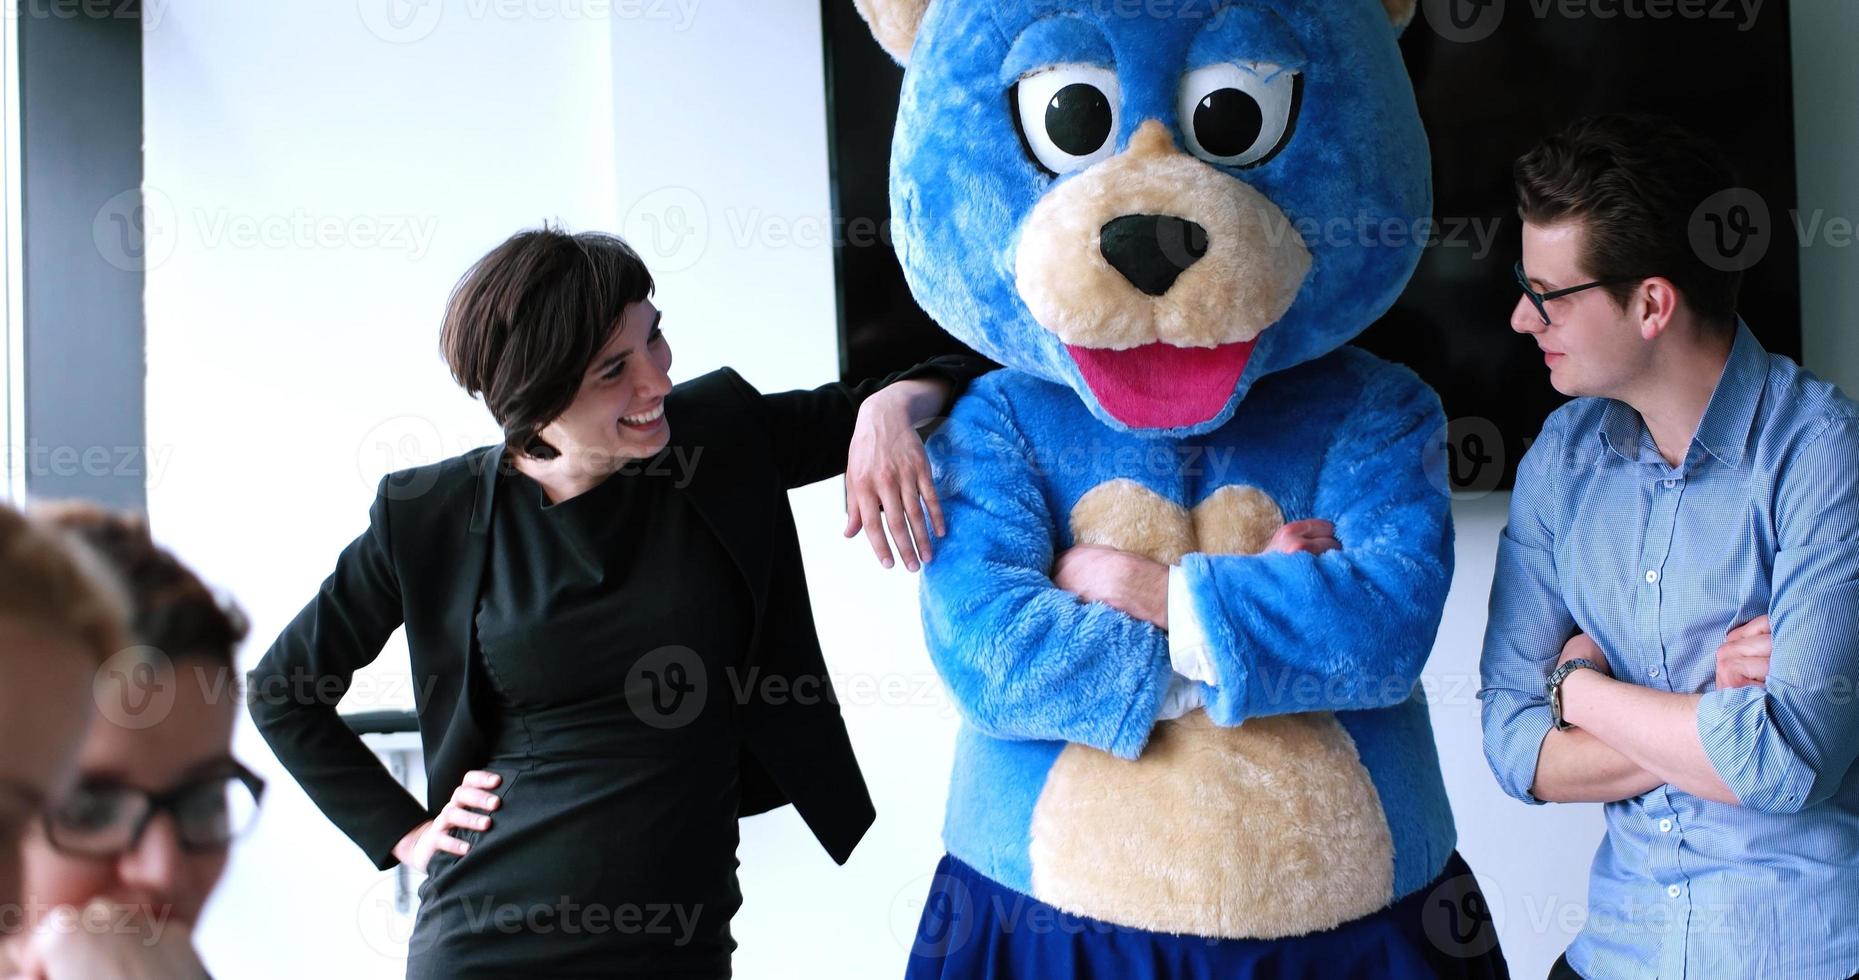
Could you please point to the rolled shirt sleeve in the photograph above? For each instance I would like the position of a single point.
(1529, 624)
(1788, 744)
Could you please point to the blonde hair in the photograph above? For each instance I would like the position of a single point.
(52, 580)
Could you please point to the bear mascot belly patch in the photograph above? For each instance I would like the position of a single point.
(1167, 219)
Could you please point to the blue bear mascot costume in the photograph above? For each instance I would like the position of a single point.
(1167, 218)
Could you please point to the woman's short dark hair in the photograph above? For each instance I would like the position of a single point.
(170, 608)
(1634, 182)
(525, 322)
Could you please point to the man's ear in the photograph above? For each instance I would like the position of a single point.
(894, 22)
(1400, 13)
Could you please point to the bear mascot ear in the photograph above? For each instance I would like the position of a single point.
(894, 23)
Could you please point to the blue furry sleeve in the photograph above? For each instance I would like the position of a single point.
(1022, 658)
(1352, 628)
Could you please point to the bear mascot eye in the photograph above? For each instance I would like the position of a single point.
(1068, 115)
(1236, 115)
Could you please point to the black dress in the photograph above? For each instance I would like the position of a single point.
(608, 624)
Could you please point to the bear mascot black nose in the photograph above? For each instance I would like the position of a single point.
(1152, 250)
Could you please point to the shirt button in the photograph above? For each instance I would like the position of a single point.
(1665, 827)
(1652, 577)
(1654, 672)
(1674, 891)
(1669, 484)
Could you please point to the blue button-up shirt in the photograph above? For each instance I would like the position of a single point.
(1657, 563)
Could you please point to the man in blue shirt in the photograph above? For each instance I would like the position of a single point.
(1678, 584)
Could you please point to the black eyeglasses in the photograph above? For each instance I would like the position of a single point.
(103, 819)
(1538, 299)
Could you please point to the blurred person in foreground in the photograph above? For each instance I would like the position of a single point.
(60, 617)
(120, 866)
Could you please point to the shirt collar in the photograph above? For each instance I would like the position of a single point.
(1731, 414)
(1724, 430)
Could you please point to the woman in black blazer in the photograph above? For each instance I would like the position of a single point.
(611, 641)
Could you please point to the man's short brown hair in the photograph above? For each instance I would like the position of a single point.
(524, 324)
(1635, 183)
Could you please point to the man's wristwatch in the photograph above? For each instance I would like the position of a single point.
(1554, 688)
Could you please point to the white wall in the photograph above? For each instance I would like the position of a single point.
(286, 374)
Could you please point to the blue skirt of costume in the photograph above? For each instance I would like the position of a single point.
(974, 928)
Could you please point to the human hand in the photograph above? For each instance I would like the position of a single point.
(1310, 537)
(416, 849)
(888, 479)
(1743, 659)
(1122, 580)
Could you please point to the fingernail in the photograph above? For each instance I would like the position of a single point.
(887, 563)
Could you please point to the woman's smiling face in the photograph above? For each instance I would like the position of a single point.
(618, 413)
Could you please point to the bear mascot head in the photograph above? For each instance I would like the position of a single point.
(1154, 202)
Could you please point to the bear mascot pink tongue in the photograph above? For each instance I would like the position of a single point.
(1195, 560)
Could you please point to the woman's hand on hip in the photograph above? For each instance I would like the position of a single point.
(467, 810)
(888, 483)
